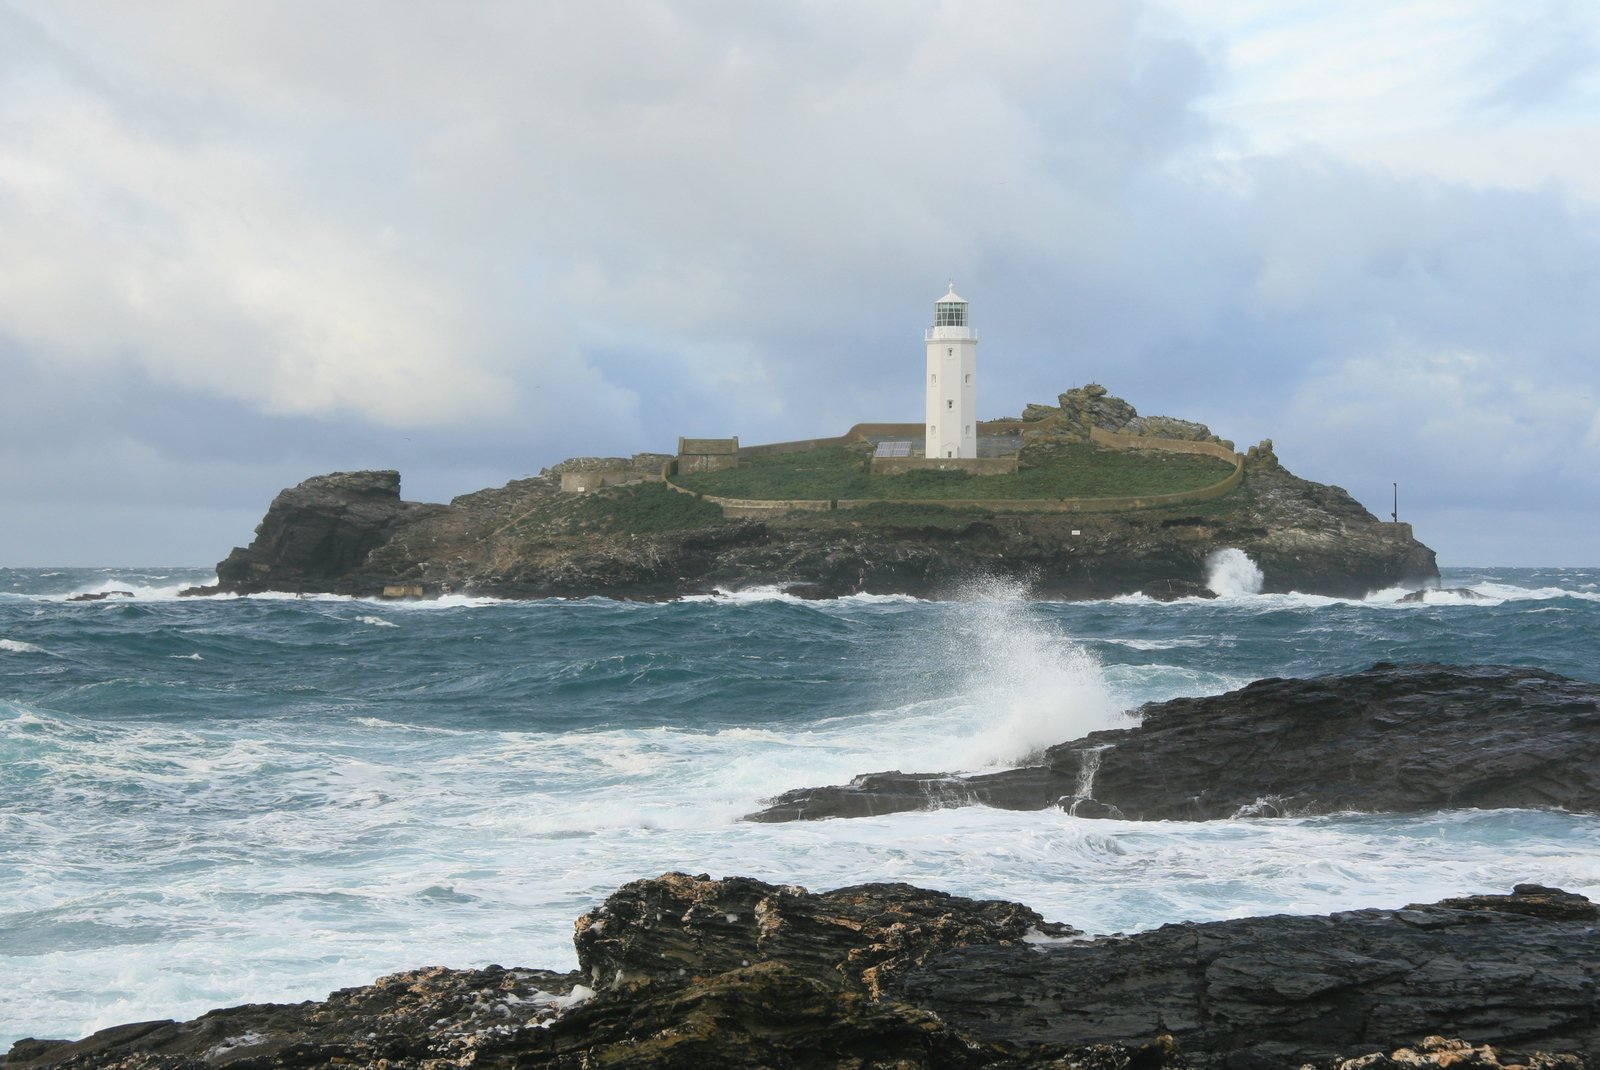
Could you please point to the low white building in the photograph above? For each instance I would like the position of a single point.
(952, 413)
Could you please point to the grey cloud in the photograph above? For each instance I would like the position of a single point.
(468, 242)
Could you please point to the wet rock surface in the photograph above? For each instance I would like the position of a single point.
(694, 972)
(1395, 738)
(862, 935)
(1279, 991)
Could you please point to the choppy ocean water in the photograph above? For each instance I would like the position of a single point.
(210, 802)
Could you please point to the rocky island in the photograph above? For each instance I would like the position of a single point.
(1082, 499)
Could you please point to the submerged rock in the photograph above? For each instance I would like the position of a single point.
(1395, 738)
(1464, 593)
(1172, 590)
(697, 973)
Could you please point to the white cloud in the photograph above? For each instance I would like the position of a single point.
(209, 266)
(1474, 91)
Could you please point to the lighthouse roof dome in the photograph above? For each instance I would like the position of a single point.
(951, 298)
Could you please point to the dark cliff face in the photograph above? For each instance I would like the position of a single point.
(1396, 739)
(689, 972)
(316, 536)
(349, 533)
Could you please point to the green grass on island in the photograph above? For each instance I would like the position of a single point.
(635, 509)
(1064, 471)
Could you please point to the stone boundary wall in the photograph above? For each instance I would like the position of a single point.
(1062, 505)
(761, 508)
(581, 475)
(586, 480)
(862, 432)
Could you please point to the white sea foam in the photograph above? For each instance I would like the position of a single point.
(453, 601)
(764, 593)
(377, 622)
(122, 590)
(186, 657)
(17, 646)
(396, 726)
(865, 599)
(1231, 573)
(1152, 644)
(779, 593)
(319, 831)
(1483, 594)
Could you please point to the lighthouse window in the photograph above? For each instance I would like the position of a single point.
(969, 377)
(949, 315)
(934, 379)
(949, 404)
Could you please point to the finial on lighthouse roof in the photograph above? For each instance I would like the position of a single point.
(952, 297)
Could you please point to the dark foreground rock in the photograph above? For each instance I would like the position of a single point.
(696, 973)
(1273, 992)
(1395, 738)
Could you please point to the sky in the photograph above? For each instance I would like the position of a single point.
(242, 244)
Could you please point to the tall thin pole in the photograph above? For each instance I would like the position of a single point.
(1395, 516)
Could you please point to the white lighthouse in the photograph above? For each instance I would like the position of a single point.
(952, 380)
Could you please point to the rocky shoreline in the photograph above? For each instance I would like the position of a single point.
(1391, 739)
(693, 972)
(686, 971)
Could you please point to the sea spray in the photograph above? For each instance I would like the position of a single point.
(1231, 573)
(1016, 683)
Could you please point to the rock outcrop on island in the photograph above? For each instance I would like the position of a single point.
(689, 972)
(1395, 738)
(349, 533)
(317, 537)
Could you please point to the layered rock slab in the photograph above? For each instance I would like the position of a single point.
(1391, 739)
(1518, 970)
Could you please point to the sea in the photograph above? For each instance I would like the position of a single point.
(212, 801)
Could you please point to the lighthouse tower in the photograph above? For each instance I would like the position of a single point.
(952, 380)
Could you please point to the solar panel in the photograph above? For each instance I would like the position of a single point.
(893, 449)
